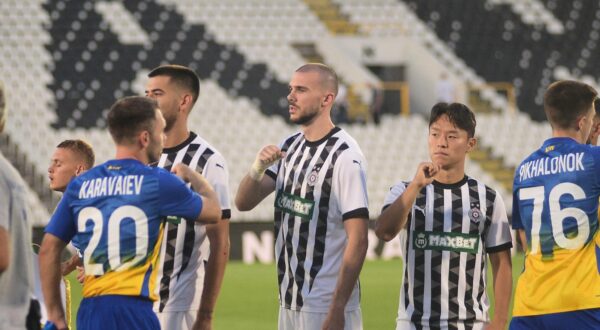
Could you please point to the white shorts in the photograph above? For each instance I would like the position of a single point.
(177, 320)
(407, 325)
(295, 320)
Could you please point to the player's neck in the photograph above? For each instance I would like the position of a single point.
(318, 129)
(575, 135)
(176, 136)
(124, 152)
(450, 176)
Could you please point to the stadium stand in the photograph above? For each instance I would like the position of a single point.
(64, 62)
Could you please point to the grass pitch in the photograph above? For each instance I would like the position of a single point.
(248, 298)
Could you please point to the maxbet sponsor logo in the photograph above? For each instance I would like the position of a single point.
(443, 241)
(294, 205)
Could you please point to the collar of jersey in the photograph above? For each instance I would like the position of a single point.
(562, 139)
(450, 185)
(181, 145)
(323, 139)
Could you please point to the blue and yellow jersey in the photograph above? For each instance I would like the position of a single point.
(555, 192)
(115, 211)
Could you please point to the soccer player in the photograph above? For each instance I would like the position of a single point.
(449, 223)
(16, 266)
(70, 159)
(189, 285)
(555, 192)
(321, 214)
(115, 211)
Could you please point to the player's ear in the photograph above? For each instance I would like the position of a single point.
(79, 169)
(471, 144)
(144, 139)
(186, 102)
(328, 100)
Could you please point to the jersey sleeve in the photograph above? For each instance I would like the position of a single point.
(498, 236)
(350, 183)
(395, 192)
(176, 198)
(62, 223)
(217, 174)
(516, 214)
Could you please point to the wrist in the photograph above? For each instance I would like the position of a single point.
(257, 171)
(205, 314)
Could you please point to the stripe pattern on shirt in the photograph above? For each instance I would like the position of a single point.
(448, 285)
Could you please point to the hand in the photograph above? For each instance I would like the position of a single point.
(334, 321)
(203, 322)
(80, 274)
(425, 173)
(58, 324)
(266, 157)
(183, 171)
(68, 266)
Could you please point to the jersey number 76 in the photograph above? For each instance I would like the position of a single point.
(557, 215)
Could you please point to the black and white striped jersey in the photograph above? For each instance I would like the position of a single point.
(183, 248)
(319, 184)
(450, 230)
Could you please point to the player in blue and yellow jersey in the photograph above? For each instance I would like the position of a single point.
(556, 191)
(115, 212)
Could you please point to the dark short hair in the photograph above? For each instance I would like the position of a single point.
(459, 114)
(82, 149)
(597, 106)
(180, 75)
(328, 76)
(129, 116)
(567, 100)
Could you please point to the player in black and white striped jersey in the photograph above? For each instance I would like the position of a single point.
(321, 211)
(449, 223)
(190, 272)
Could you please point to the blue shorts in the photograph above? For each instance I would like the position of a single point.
(116, 312)
(580, 320)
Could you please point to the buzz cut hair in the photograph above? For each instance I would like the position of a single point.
(566, 101)
(180, 75)
(82, 149)
(130, 116)
(329, 78)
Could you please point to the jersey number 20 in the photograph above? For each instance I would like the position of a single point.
(113, 243)
(557, 215)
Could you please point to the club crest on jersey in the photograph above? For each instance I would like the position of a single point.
(312, 178)
(475, 213)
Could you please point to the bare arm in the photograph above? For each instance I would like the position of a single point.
(50, 251)
(354, 256)
(255, 186)
(394, 218)
(218, 236)
(4, 249)
(522, 238)
(502, 272)
(211, 210)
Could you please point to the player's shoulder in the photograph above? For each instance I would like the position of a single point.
(478, 184)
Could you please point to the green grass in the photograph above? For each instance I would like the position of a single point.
(248, 298)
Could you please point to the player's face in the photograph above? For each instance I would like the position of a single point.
(64, 165)
(168, 97)
(587, 125)
(448, 144)
(595, 131)
(157, 138)
(305, 97)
